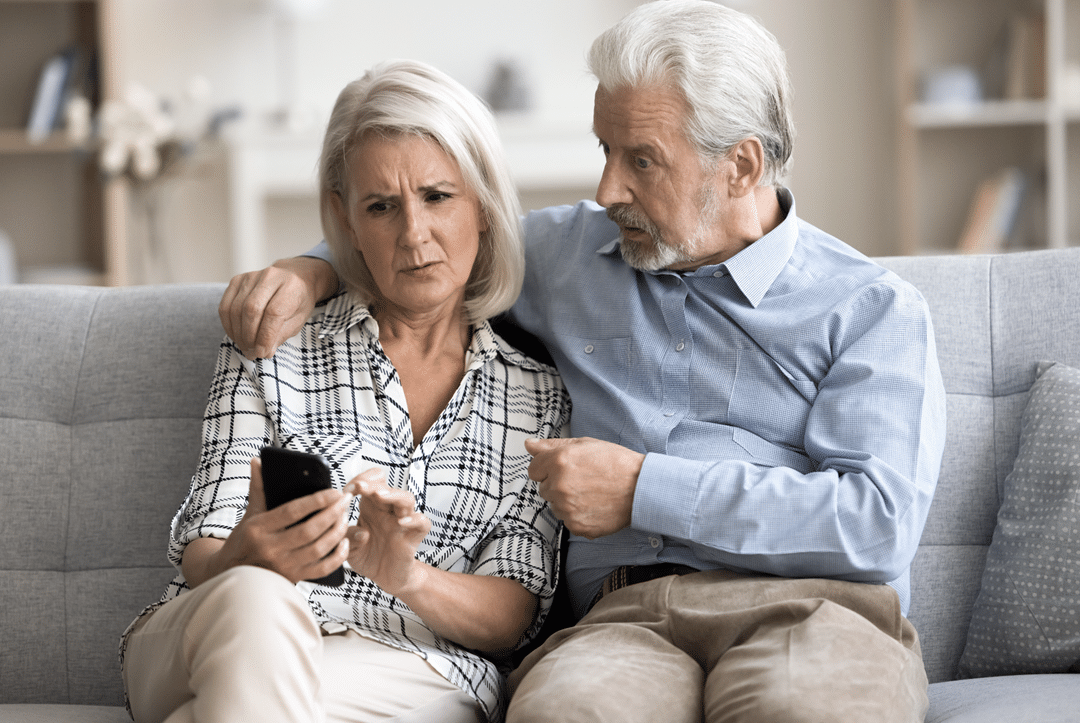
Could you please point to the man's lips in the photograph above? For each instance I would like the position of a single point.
(626, 220)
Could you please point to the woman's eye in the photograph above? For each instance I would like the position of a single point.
(438, 196)
(377, 207)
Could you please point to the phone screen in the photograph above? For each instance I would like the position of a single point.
(289, 474)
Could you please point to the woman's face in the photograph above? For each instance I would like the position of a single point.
(415, 222)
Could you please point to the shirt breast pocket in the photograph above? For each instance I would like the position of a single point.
(606, 362)
(770, 400)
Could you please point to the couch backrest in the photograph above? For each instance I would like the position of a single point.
(102, 394)
(994, 318)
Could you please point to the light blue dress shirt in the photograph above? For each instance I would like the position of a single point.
(789, 400)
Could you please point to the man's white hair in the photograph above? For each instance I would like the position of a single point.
(730, 70)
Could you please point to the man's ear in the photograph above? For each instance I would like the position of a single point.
(749, 159)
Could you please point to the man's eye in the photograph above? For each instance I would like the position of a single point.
(605, 148)
(642, 162)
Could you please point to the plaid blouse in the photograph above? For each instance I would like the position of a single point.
(332, 390)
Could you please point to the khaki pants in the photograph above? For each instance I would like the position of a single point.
(244, 647)
(720, 647)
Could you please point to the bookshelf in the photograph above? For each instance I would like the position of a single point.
(1024, 57)
(66, 222)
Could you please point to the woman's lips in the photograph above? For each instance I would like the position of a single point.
(419, 269)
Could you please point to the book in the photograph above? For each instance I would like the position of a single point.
(1025, 65)
(993, 212)
(49, 98)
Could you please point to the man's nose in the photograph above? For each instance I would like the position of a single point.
(612, 189)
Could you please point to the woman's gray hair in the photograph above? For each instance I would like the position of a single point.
(409, 97)
(730, 70)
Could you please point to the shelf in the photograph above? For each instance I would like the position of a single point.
(550, 156)
(15, 141)
(66, 221)
(988, 113)
(946, 152)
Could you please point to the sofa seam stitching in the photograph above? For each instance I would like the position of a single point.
(991, 270)
(71, 490)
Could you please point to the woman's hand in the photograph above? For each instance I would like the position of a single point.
(269, 539)
(388, 532)
(479, 612)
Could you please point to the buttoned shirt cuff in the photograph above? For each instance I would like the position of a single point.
(665, 501)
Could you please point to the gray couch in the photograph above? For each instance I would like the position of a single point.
(102, 392)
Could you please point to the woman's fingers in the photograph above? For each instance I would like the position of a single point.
(300, 538)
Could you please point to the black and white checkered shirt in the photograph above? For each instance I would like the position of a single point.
(332, 390)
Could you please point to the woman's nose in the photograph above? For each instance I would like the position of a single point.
(414, 229)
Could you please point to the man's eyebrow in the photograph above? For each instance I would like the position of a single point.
(644, 149)
(648, 149)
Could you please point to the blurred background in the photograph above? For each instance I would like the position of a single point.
(155, 141)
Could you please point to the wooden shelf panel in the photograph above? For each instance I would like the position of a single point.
(15, 140)
(987, 113)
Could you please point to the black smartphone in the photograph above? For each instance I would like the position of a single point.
(289, 474)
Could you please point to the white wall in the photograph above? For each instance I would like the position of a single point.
(841, 57)
(839, 51)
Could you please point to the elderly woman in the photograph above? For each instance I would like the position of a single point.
(422, 413)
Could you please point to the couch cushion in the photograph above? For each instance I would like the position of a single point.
(1036, 698)
(1026, 618)
(102, 394)
(34, 654)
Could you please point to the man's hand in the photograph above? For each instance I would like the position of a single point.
(589, 483)
(261, 309)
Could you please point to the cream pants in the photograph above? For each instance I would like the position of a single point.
(720, 647)
(244, 647)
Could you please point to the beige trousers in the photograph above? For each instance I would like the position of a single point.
(245, 647)
(720, 647)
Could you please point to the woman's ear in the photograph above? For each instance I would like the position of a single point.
(337, 207)
(749, 159)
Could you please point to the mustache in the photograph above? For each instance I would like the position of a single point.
(627, 216)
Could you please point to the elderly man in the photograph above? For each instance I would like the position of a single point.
(758, 413)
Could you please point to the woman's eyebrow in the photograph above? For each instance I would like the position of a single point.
(426, 188)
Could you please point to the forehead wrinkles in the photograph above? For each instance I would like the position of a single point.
(637, 116)
(386, 165)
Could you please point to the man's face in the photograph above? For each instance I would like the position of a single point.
(655, 187)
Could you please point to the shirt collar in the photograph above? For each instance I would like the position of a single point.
(344, 311)
(755, 268)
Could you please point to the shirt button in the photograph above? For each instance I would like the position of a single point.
(718, 274)
(654, 542)
(589, 349)
(680, 346)
(669, 414)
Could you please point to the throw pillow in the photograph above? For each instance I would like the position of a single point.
(1026, 617)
